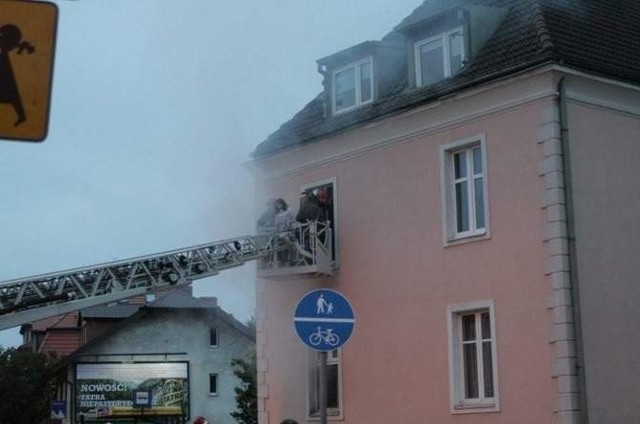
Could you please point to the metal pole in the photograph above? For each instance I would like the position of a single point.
(323, 387)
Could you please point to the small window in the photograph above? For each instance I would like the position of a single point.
(353, 85)
(439, 57)
(213, 384)
(473, 361)
(334, 383)
(213, 337)
(464, 180)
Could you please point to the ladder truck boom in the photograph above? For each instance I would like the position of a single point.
(30, 299)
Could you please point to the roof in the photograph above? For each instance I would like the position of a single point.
(117, 311)
(427, 10)
(62, 343)
(345, 55)
(171, 300)
(63, 321)
(177, 299)
(61, 333)
(593, 36)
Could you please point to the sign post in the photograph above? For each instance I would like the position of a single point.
(324, 321)
(27, 44)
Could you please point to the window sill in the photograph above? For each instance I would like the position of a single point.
(474, 408)
(213, 395)
(332, 415)
(467, 238)
(350, 108)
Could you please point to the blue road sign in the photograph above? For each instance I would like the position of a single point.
(324, 320)
(58, 409)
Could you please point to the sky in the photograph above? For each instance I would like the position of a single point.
(156, 105)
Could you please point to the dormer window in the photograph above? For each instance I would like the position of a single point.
(353, 85)
(439, 57)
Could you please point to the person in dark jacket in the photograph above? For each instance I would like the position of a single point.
(309, 209)
(325, 203)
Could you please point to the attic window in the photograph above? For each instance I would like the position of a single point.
(439, 57)
(352, 85)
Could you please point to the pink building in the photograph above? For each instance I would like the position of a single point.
(456, 214)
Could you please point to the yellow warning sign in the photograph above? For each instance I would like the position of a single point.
(27, 44)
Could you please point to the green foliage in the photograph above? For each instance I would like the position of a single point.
(26, 386)
(246, 392)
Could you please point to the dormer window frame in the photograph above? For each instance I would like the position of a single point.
(444, 37)
(357, 66)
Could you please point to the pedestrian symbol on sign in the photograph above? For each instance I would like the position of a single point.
(321, 304)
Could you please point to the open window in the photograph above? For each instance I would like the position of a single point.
(323, 193)
(309, 235)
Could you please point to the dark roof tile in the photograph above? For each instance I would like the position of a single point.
(594, 36)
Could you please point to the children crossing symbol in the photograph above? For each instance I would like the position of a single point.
(27, 44)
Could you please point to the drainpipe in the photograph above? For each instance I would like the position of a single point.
(571, 240)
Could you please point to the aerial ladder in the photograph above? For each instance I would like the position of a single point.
(308, 247)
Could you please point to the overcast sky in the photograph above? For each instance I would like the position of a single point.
(155, 106)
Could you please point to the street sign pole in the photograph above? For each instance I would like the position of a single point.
(324, 321)
(323, 387)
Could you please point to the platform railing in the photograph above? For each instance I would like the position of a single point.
(310, 251)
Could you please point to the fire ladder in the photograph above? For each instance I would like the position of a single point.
(30, 299)
(33, 298)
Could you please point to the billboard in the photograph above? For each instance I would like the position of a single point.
(107, 390)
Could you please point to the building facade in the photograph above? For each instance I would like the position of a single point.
(482, 165)
(175, 351)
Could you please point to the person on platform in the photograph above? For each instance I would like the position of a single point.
(284, 216)
(266, 222)
(309, 209)
(284, 221)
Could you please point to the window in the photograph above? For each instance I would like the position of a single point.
(473, 358)
(353, 85)
(465, 208)
(334, 384)
(439, 57)
(213, 384)
(213, 337)
(326, 194)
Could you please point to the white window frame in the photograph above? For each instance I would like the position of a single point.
(217, 333)
(336, 227)
(451, 235)
(458, 403)
(217, 378)
(334, 357)
(446, 52)
(358, 84)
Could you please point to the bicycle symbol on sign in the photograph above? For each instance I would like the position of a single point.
(327, 337)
